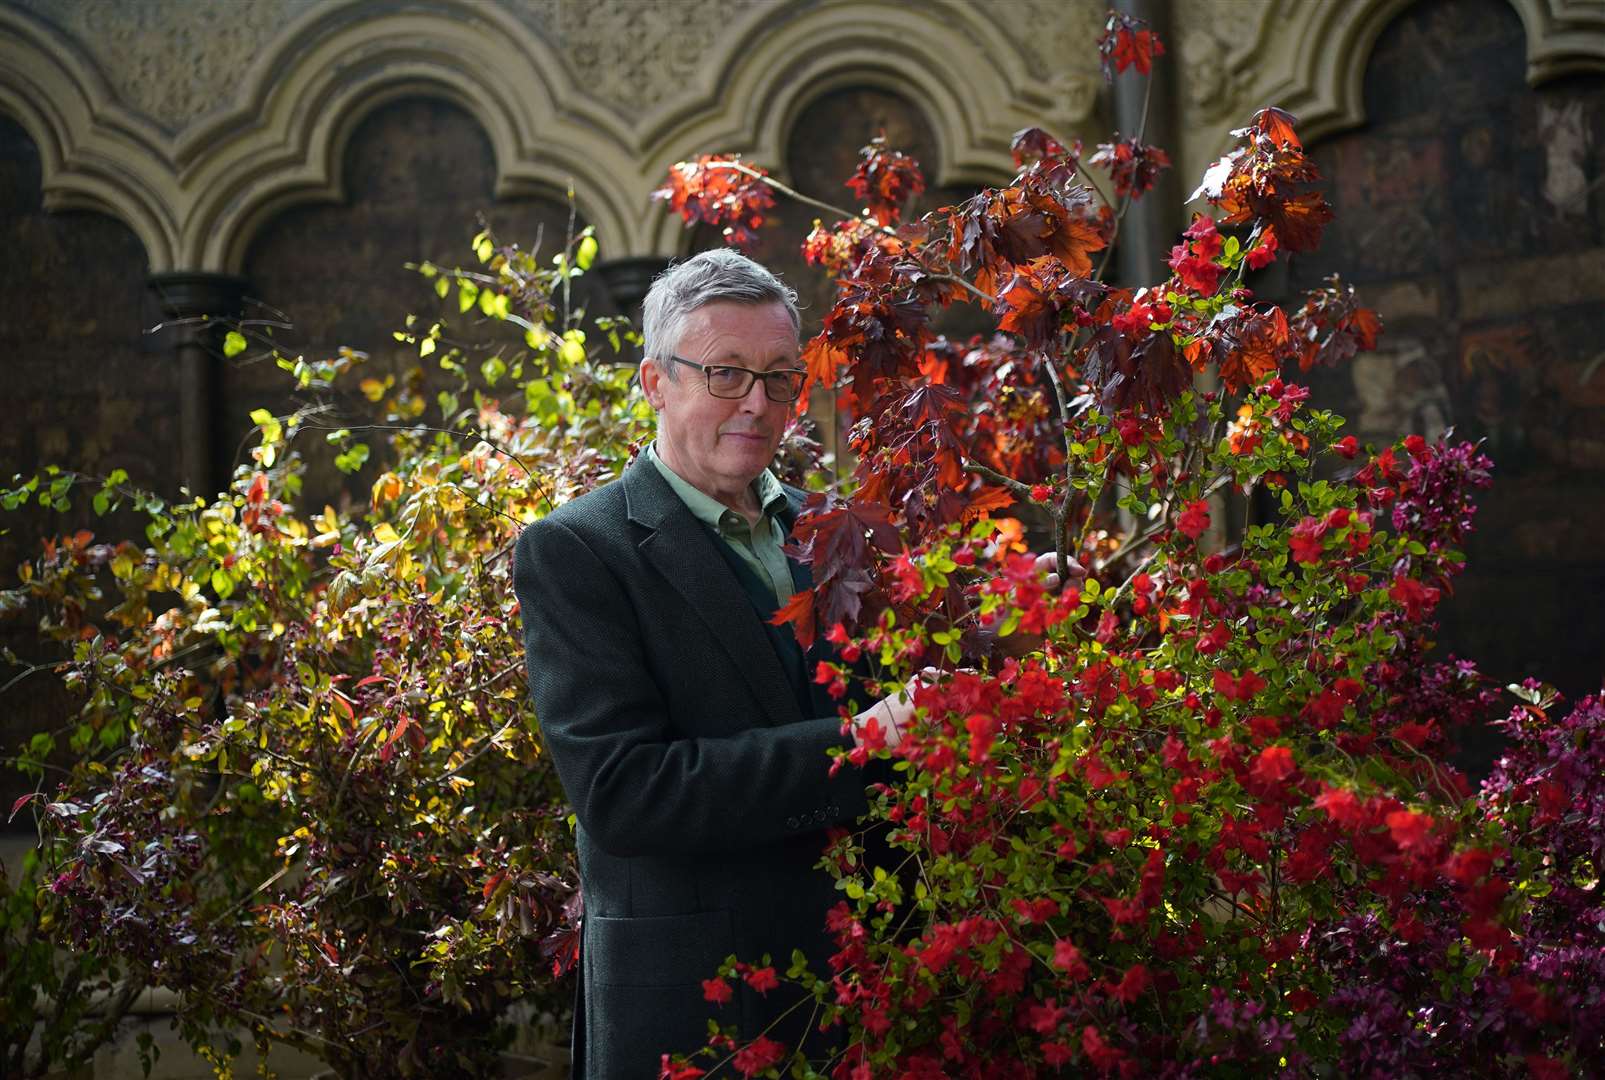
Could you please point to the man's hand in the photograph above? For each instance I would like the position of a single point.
(1019, 644)
(883, 723)
(1048, 563)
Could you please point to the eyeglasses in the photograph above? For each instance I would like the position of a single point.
(782, 384)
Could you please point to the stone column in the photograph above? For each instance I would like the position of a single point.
(196, 311)
(1153, 222)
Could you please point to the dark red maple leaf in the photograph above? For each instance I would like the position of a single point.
(1275, 124)
(1265, 180)
(837, 539)
(1249, 346)
(1133, 165)
(1142, 371)
(885, 180)
(1332, 327)
(1040, 298)
(1127, 42)
(712, 190)
(1032, 144)
(1003, 228)
(878, 327)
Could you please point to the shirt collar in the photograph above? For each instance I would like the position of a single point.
(710, 511)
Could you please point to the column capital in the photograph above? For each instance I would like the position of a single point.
(188, 294)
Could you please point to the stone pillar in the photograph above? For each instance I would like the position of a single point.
(196, 311)
(1153, 222)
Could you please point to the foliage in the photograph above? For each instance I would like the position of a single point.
(309, 795)
(1190, 814)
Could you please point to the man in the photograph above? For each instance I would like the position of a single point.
(687, 733)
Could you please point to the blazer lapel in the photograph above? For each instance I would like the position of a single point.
(680, 549)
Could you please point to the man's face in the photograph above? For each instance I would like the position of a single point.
(720, 445)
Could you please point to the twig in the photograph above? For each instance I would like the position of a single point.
(988, 473)
(793, 193)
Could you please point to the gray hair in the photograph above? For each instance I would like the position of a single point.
(711, 276)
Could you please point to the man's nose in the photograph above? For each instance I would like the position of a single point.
(756, 399)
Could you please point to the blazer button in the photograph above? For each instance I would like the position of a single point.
(819, 816)
(791, 823)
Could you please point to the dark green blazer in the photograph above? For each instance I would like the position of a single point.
(701, 787)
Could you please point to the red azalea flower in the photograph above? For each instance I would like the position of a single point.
(760, 1054)
(1194, 519)
(762, 979)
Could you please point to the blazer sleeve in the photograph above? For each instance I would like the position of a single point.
(638, 783)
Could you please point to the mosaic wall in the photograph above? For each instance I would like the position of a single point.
(1471, 213)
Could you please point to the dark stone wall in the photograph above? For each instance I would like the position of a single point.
(86, 393)
(1471, 213)
(417, 173)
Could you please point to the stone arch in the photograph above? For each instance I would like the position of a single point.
(95, 154)
(974, 79)
(1310, 58)
(195, 192)
(281, 144)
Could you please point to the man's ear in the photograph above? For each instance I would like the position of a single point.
(651, 376)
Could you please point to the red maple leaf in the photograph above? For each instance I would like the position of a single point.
(1265, 181)
(1127, 42)
(712, 190)
(1332, 327)
(1032, 144)
(1132, 165)
(1250, 347)
(1003, 228)
(837, 539)
(1276, 125)
(885, 180)
(1042, 298)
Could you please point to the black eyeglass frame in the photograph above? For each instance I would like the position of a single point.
(768, 386)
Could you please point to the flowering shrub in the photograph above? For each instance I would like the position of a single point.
(1189, 813)
(310, 796)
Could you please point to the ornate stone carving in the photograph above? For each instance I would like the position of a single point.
(173, 60)
(195, 128)
(634, 55)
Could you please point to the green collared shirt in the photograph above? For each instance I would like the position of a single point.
(757, 546)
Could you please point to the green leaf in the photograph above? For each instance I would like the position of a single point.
(586, 253)
(234, 343)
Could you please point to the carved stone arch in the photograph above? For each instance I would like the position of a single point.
(969, 80)
(281, 145)
(1563, 37)
(95, 154)
(1310, 56)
